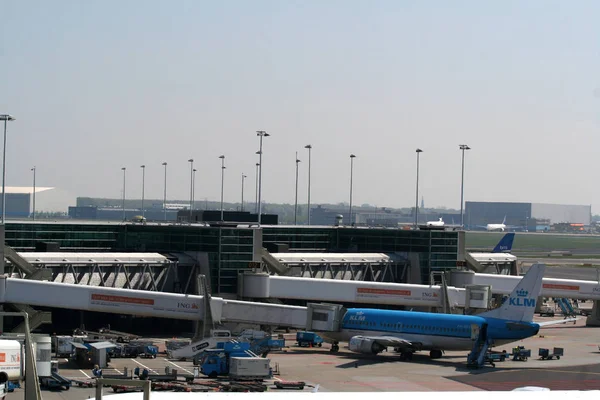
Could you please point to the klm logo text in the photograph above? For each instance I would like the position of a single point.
(521, 302)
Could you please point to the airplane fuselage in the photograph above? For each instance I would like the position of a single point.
(430, 331)
(496, 227)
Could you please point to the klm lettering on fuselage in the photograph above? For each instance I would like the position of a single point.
(521, 302)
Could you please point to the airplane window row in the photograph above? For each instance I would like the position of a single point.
(410, 326)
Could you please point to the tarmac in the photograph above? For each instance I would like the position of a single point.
(345, 371)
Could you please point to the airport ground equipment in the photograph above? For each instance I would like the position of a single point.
(148, 352)
(545, 354)
(479, 354)
(93, 353)
(290, 385)
(11, 386)
(32, 386)
(520, 353)
(123, 351)
(195, 348)
(308, 339)
(55, 382)
(565, 307)
(106, 334)
(249, 368)
(497, 357)
(172, 376)
(546, 310)
(175, 344)
(264, 346)
(62, 345)
(215, 362)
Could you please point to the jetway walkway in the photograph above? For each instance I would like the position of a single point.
(263, 286)
(372, 267)
(146, 303)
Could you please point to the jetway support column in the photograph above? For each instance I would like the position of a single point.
(2, 262)
(594, 318)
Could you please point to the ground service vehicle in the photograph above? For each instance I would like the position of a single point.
(306, 339)
(11, 361)
(215, 362)
(148, 351)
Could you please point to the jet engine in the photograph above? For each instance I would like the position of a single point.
(364, 345)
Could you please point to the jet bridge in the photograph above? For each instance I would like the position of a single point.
(372, 267)
(263, 286)
(146, 303)
(144, 271)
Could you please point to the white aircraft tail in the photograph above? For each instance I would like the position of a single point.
(520, 305)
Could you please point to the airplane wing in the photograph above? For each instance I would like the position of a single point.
(556, 322)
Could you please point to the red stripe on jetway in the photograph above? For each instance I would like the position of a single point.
(560, 287)
(384, 291)
(123, 299)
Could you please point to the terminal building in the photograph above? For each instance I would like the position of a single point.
(529, 217)
(223, 253)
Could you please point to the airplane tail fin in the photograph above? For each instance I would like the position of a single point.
(505, 244)
(504, 220)
(520, 305)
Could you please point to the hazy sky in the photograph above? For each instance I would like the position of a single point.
(98, 85)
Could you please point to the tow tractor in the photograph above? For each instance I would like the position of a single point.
(520, 353)
(308, 339)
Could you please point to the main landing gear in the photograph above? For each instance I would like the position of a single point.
(335, 347)
(433, 354)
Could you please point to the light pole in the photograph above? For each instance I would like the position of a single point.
(165, 193)
(352, 157)
(296, 202)
(418, 151)
(462, 147)
(191, 161)
(33, 214)
(243, 177)
(194, 186)
(309, 147)
(260, 134)
(256, 191)
(143, 167)
(5, 118)
(222, 157)
(124, 169)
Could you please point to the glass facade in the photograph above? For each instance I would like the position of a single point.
(232, 249)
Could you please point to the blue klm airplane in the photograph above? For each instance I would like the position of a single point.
(371, 331)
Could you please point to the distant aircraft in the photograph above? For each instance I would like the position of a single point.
(371, 331)
(499, 227)
(440, 222)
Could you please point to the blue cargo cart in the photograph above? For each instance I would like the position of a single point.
(307, 339)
